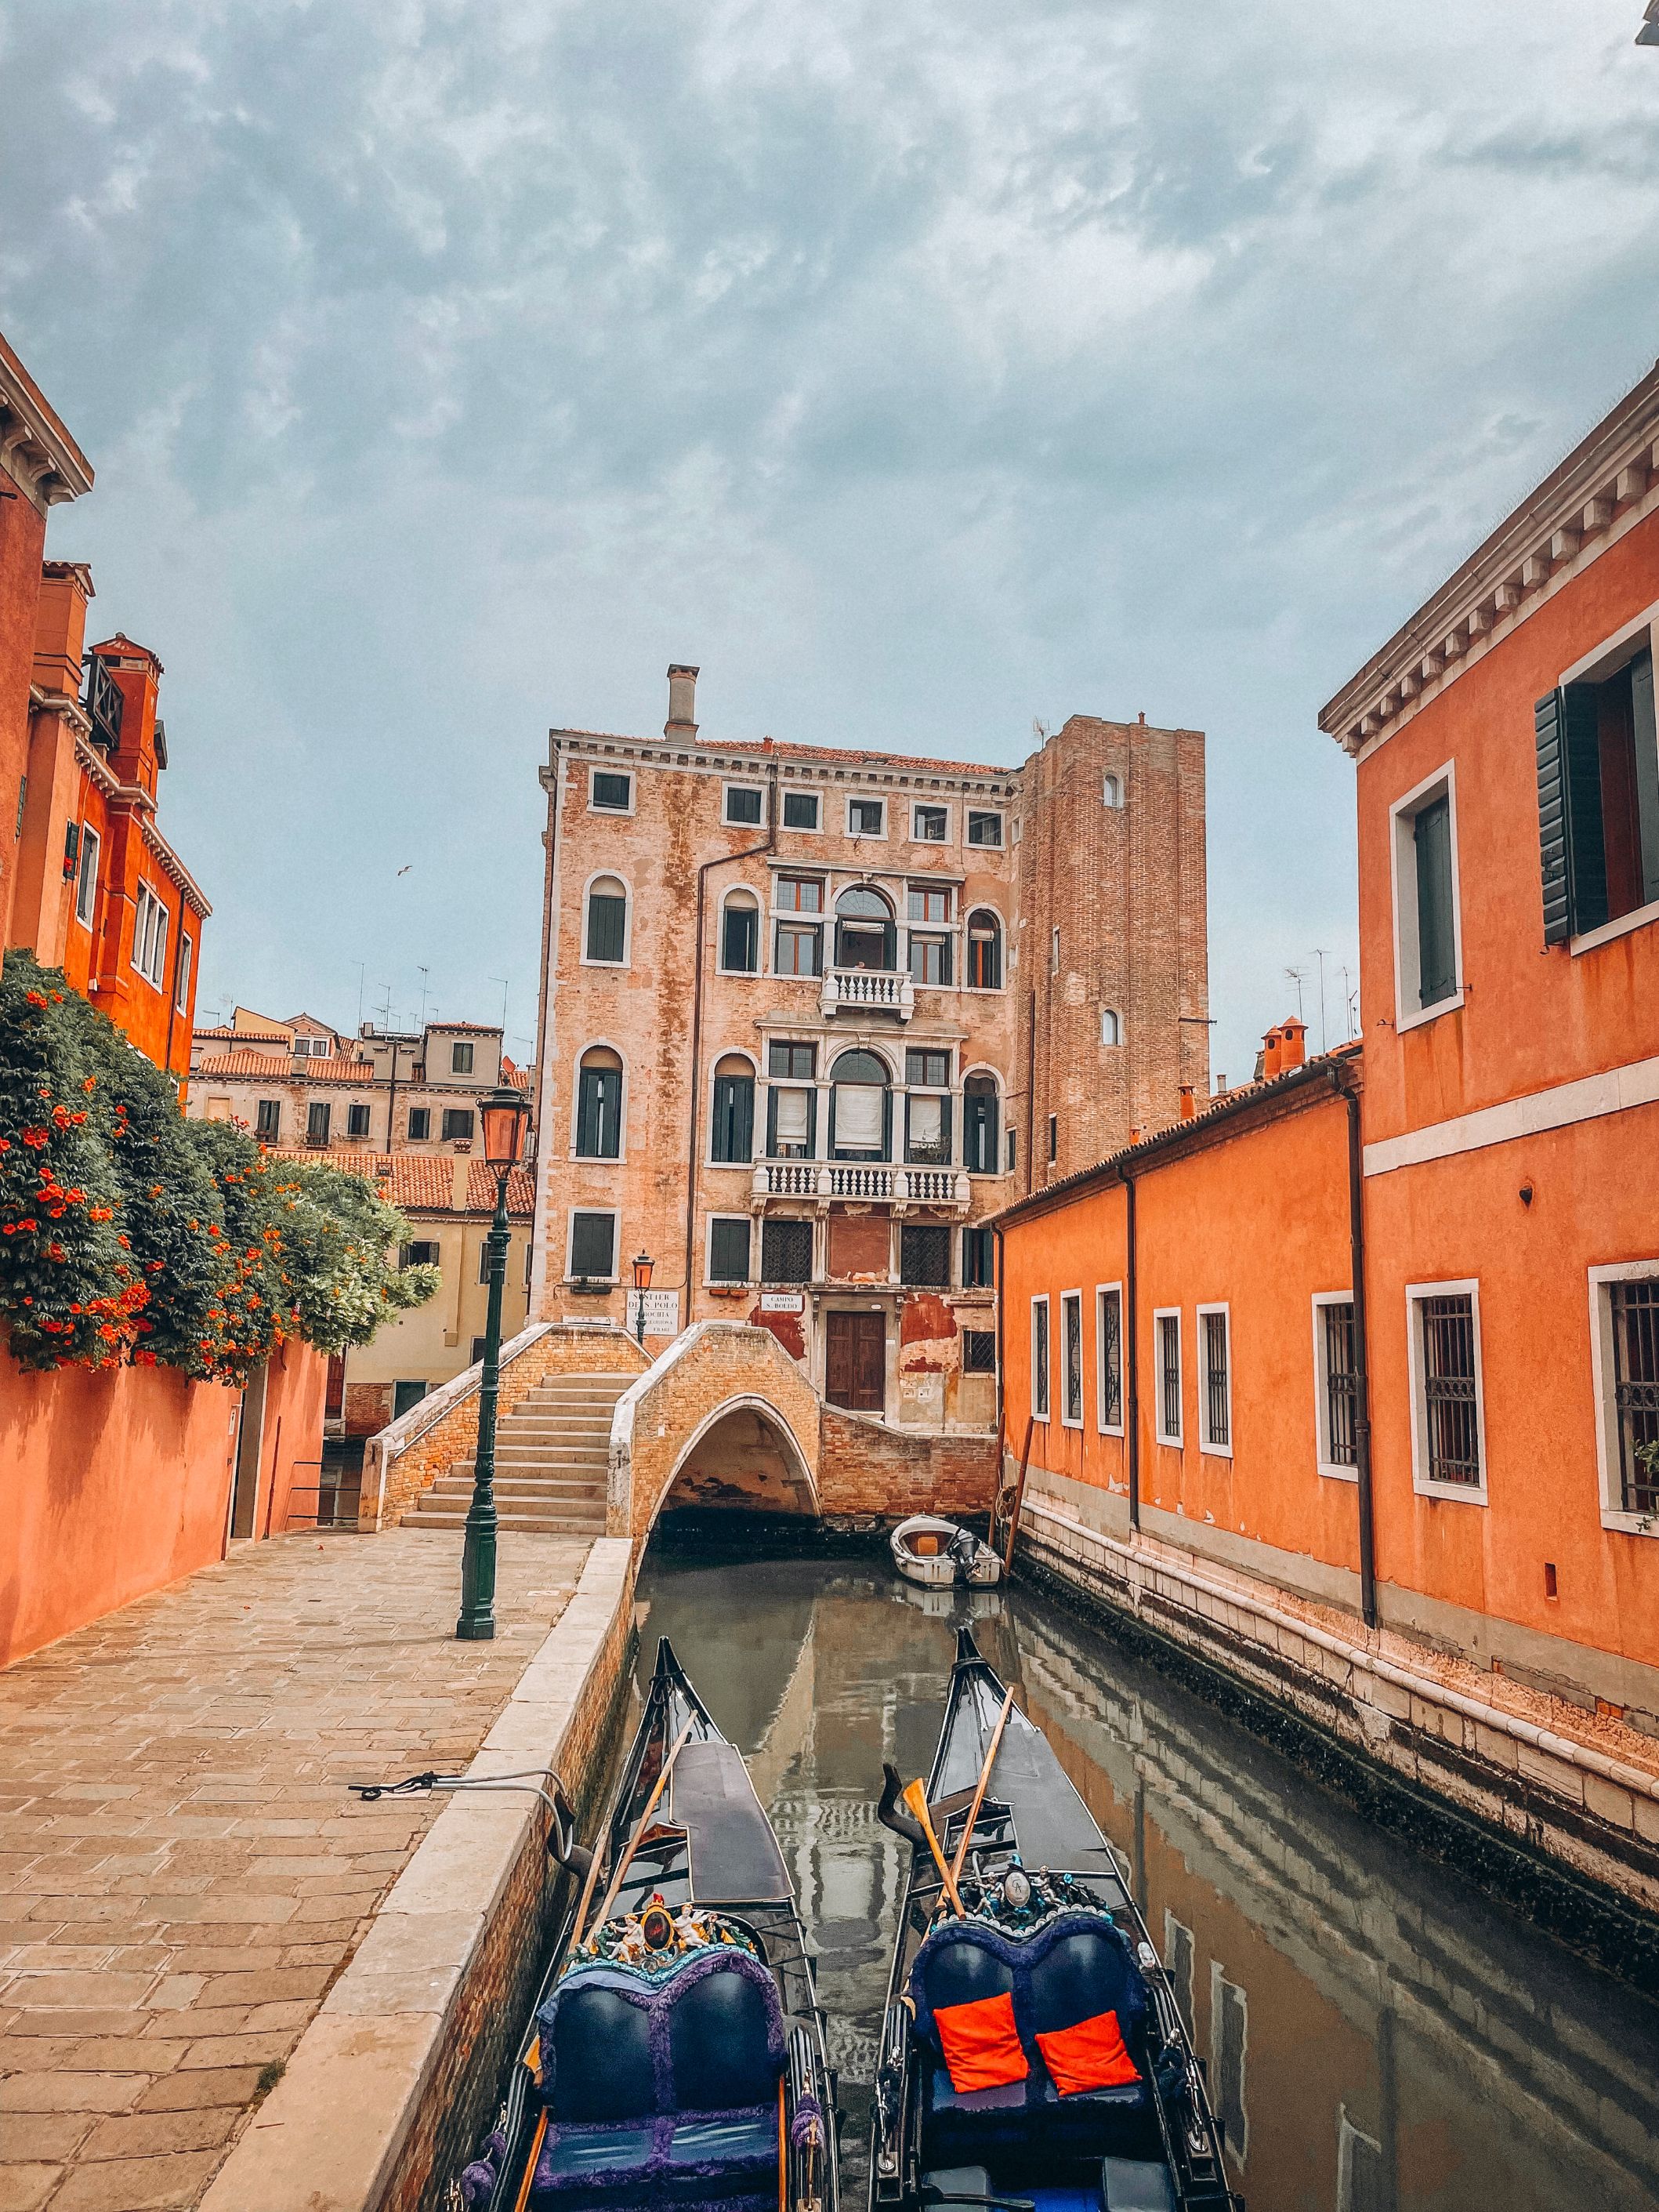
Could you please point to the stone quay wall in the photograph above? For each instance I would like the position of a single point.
(867, 1467)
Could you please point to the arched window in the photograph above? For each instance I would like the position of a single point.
(860, 1109)
(984, 951)
(979, 1125)
(1111, 1030)
(740, 934)
(865, 934)
(733, 1135)
(1111, 790)
(599, 1104)
(607, 919)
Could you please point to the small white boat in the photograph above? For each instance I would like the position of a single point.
(938, 1553)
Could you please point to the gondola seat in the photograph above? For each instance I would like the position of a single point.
(661, 2093)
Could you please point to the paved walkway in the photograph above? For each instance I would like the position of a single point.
(182, 1873)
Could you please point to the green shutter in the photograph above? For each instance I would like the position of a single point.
(1646, 736)
(1552, 819)
(1437, 942)
(607, 923)
(1581, 755)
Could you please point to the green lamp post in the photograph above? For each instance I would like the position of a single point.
(504, 1115)
(642, 1269)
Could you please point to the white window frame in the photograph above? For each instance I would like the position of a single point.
(186, 961)
(939, 805)
(1218, 1975)
(593, 1159)
(1103, 1427)
(1595, 668)
(1047, 1374)
(740, 892)
(599, 768)
(1112, 790)
(86, 888)
(738, 784)
(757, 1124)
(1070, 1298)
(797, 829)
(608, 967)
(1111, 1044)
(1206, 1442)
(1321, 1393)
(1176, 1442)
(614, 1212)
(1602, 1370)
(998, 815)
(1463, 1494)
(709, 1281)
(150, 929)
(1054, 950)
(865, 798)
(1348, 2133)
(1402, 850)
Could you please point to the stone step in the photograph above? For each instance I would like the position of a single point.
(554, 1478)
(553, 1493)
(528, 1524)
(526, 1460)
(539, 1424)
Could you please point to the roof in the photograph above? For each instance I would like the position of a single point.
(770, 749)
(250, 1036)
(479, 1029)
(360, 1072)
(23, 397)
(424, 1182)
(1322, 1070)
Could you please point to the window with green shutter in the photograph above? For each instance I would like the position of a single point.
(733, 1134)
(607, 921)
(599, 1106)
(1437, 941)
(1598, 799)
(728, 1250)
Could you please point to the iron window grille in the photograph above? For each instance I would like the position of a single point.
(1215, 1380)
(786, 1251)
(1040, 1359)
(1452, 1416)
(979, 1352)
(1169, 1362)
(728, 1250)
(1341, 1387)
(925, 1256)
(1635, 1313)
(1071, 1315)
(1111, 1359)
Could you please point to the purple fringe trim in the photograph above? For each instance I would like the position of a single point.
(807, 2126)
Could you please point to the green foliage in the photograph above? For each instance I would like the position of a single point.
(128, 1233)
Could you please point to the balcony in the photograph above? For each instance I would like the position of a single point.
(867, 991)
(861, 1180)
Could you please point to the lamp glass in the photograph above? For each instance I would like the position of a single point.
(504, 1113)
(642, 1267)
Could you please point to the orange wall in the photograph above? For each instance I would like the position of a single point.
(23, 536)
(118, 1482)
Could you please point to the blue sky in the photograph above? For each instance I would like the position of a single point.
(449, 366)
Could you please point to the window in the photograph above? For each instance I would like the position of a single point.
(1426, 929)
(1228, 2039)
(797, 949)
(317, 1120)
(86, 888)
(930, 961)
(740, 934)
(1445, 1364)
(927, 1129)
(611, 792)
(798, 1063)
(599, 1104)
(458, 1124)
(929, 825)
(866, 933)
(1071, 1330)
(800, 810)
(149, 936)
(728, 1248)
(984, 829)
(1108, 1360)
(1336, 1382)
(1215, 1403)
(181, 992)
(420, 1124)
(1167, 1428)
(860, 1107)
(356, 1121)
(1178, 1966)
(423, 1253)
(979, 1352)
(312, 1047)
(742, 805)
(732, 1139)
(405, 1394)
(786, 1251)
(800, 894)
(483, 1260)
(866, 817)
(1014, 1151)
(1054, 1139)
(1625, 1342)
(929, 902)
(979, 1125)
(1361, 2177)
(1040, 1359)
(607, 921)
(1054, 951)
(1111, 790)
(984, 951)
(978, 1259)
(1111, 1030)
(593, 1247)
(460, 1059)
(477, 1347)
(268, 1120)
(791, 1114)
(924, 1255)
(932, 1069)
(1598, 797)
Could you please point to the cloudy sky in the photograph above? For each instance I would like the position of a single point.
(917, 367)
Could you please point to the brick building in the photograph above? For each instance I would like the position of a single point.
(811, 1016)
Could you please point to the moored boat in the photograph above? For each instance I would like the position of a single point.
(676, 2055)
(939, 1554)
(1033, 2057)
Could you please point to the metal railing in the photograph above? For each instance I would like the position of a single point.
(330, 1502)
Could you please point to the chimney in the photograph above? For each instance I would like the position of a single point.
(460, 1176)
(1188, 1109)
(60, 625)
(1270, 1059)
(682, 702)
(1293, 1051)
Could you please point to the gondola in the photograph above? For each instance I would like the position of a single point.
(1032, 2057)
(939, 1554)
(675, 2056)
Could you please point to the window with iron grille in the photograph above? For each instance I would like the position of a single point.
(1451, 1414)
(978, 1259)
(728, 1250)
(1217, 1409)
(924, 1255)
(1339, 1384)
(1040, 1359)
(1635, 1315)
(268, 1120)
(1168, 1378)
(1071, 1315)
(786, 1251)
(1109, 1352)
(979, 1352)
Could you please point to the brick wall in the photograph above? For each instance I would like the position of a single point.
(864, 1467)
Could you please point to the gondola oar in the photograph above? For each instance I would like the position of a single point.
(916, 1798)
(658, 1787)
(979, 1796)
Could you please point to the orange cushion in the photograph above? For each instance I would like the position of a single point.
(1090, 2055)
(981, 2044)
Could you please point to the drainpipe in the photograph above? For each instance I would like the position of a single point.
(1131, 1363)
(1362, 1406)
(1030, 1100)
(768, 844)
(996, 1308)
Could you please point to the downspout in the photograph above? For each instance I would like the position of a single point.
(391, 1102)
(1030, 1100)
(1362, 1406)
(996, 1307)
(768, 844)
(1131, 1362)
(545, 1012)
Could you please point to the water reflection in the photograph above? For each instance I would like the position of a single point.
(1380, 2037)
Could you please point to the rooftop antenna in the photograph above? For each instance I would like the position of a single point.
(1319, 955)
(502, 980)
(1040, 730)
(425, 974)
(1295, 975)
(361, 966)
(1350, 1002)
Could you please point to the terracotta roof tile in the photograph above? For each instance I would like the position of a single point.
(771, 748)
(425, 1182)
(359, 1072)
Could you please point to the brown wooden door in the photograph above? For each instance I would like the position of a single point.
(855, 1361)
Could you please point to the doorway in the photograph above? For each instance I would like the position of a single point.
(855, 1361)
(250, 1437)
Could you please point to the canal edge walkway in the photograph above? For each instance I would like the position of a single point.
(402, 2059)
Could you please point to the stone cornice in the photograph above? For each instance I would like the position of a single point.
(1604, 488)
(920, 775)
(36, 452)
(62, 703)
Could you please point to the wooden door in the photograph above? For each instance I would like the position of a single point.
(855, 1361)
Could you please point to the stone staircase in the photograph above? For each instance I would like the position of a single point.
(551, 1452)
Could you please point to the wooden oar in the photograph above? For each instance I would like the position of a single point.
(643, 1823)
(529, 2182)
(979, 1793)
(916, 1798)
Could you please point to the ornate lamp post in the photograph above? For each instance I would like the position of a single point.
(504, 1115)
(642, 1267)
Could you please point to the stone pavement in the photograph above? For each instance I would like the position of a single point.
(182, 1873)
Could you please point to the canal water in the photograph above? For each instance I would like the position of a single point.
(1380, 2037)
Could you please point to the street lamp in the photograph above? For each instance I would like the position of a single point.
(642, 1266)
(504, 1115)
